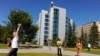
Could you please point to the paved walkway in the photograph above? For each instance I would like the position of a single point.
(47, 50)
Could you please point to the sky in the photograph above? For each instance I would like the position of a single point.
(80, 11)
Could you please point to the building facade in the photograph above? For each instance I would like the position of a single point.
(51, 24)
(86, 29)
(43, 24)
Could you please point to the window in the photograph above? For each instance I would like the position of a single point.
(66, 26)
(55, 30)
(45, 36)
(55, 21)
(46, 16)
(46, 20)
(45, 32)
(46, 28)
(46, 24)
(55, 35)
(56, 11)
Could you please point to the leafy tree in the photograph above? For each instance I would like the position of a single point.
(27, 30)
(7, 32)
(1, 33)
(94, 35)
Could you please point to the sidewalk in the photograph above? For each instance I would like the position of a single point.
(46, 50)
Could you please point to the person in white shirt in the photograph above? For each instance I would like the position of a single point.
(89, 46)
(49, 44)
(14, 44)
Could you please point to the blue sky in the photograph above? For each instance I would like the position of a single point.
(81, 11)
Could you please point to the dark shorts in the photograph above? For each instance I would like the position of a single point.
(13, 52)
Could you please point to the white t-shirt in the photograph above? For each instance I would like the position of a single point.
(89, 45)
(15, 42)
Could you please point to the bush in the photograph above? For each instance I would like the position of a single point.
(34, 41)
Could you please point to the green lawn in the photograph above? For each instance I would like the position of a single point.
(94, 51)
(2, 46)
(31, 54)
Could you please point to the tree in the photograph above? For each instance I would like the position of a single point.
(83, 38)
(94, 35)
(74, 36)
(27, 30)
(1, 33)
(7, 32)
(66, 32)
(65, 40)
(54, 39)
(71, 35)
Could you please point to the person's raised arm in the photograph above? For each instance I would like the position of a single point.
(19, 25)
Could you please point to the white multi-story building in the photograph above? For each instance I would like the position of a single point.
(43, 24)
(51, 24)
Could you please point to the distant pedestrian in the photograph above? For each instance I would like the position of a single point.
(14, 44)
(89, 46)
(59, 45)
(27, 44)
(49, 44)
(9, 42)
(79, 47)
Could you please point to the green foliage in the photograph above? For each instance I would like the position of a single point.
(94, 36)
(83, 38)
(1, 33)
(6, 32)
(34, 41)
(3, 46)
(54, 41)
(27, 31)
(84, 50)
(19, 16)
(70, 38)
(65, 40)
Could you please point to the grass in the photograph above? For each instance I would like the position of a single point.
(94, 51)
(3, 46)
(32, 54)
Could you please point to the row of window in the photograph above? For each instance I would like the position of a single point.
(46, 27)
(55, 22)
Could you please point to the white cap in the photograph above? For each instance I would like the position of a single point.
(52, 2)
